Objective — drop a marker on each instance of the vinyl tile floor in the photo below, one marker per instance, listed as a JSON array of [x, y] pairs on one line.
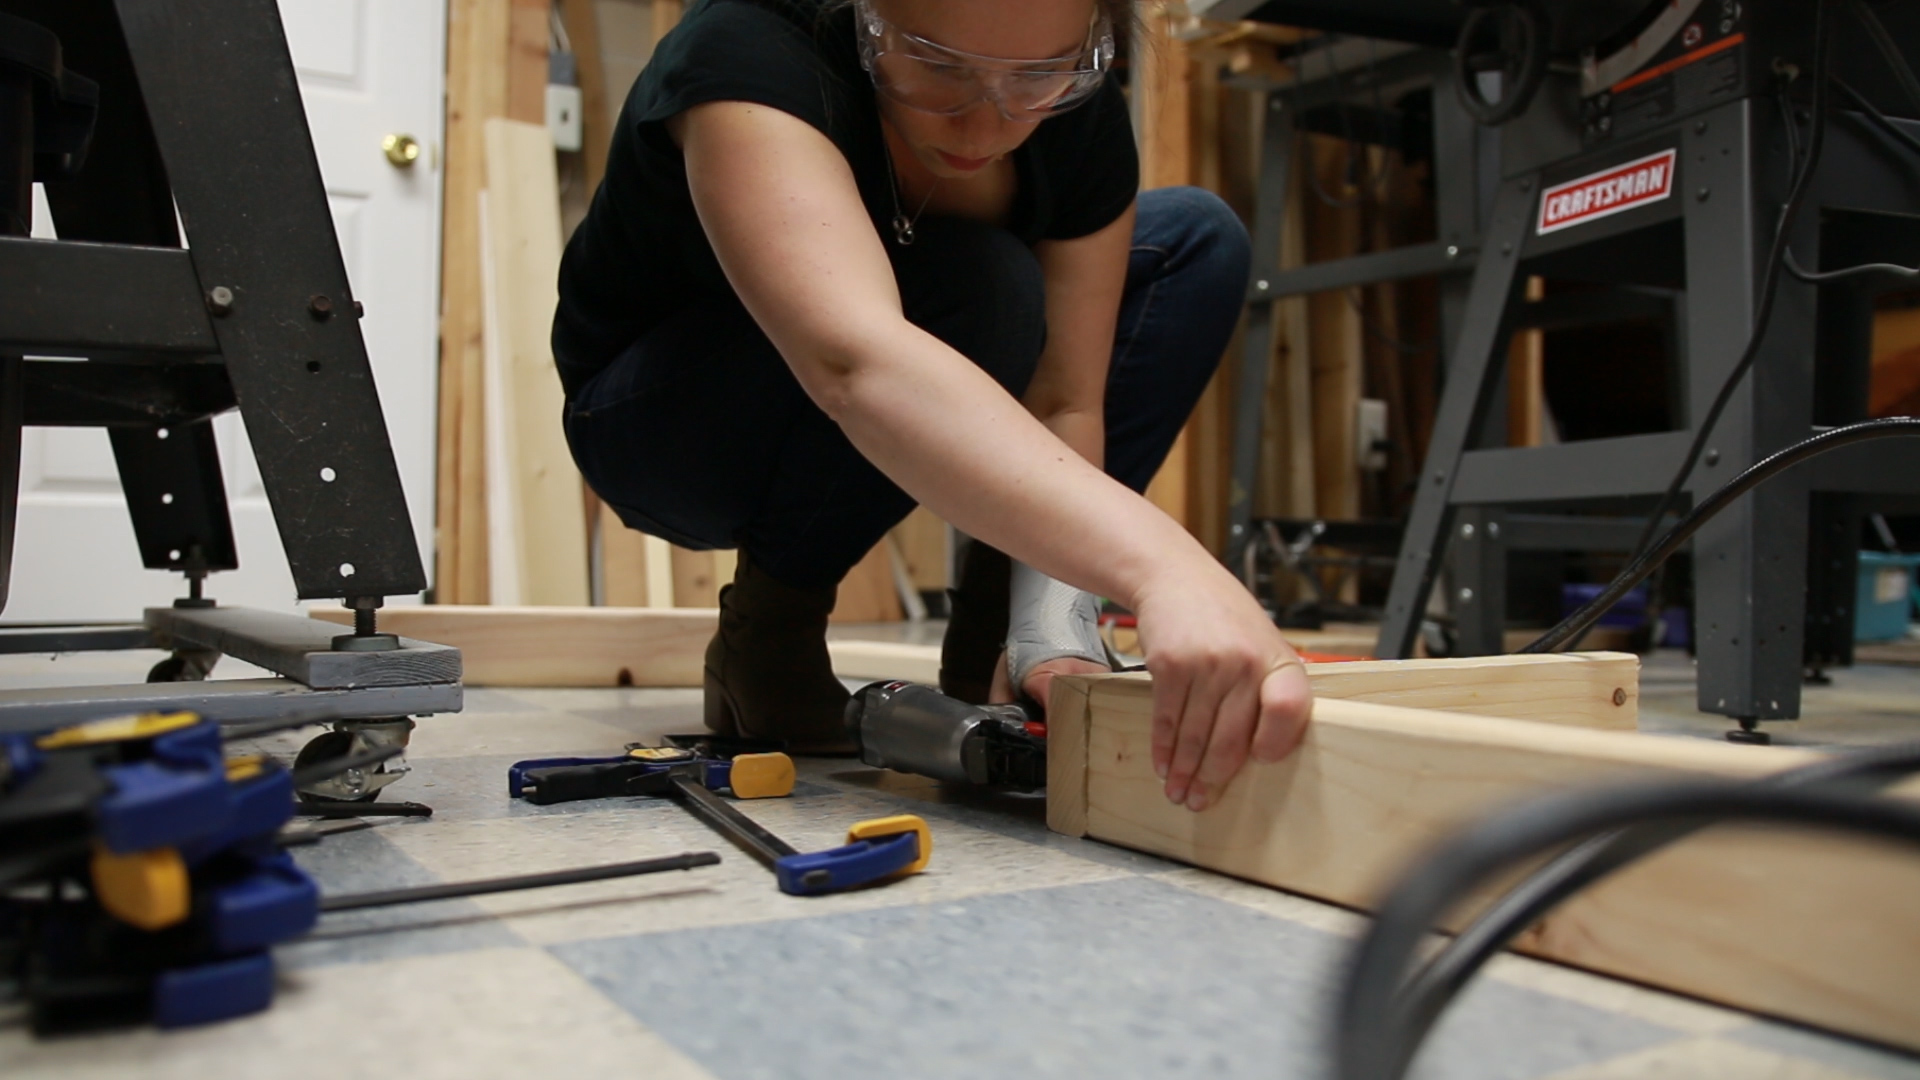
[[1017, 953]]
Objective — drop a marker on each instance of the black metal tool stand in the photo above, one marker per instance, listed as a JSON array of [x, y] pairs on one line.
[[198, 110], [1360, 78], [1773, 595], [1708, 239], [1353, 75]]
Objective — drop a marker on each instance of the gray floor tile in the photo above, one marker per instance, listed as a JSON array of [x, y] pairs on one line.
[[1127, 978], [1839, 1053], [492, 1013], [966, 863], [1015, 815], [368, 861]]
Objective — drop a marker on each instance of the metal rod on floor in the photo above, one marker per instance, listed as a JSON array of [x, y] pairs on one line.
[[390, 897], [731, 823]]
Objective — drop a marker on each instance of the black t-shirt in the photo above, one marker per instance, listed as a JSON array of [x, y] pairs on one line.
[[641, 252]]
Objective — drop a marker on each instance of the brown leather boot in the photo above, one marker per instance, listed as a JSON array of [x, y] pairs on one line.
[[977, 624], [768, 675]]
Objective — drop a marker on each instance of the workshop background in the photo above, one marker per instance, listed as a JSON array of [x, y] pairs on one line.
[[1353, 381], [460, 141]]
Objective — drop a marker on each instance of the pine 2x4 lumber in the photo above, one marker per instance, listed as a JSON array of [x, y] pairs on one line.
[[607, 646], [868, 592], [477, 33], [496, 66], [1162, 126], [539, 518], [559, 646], [1808, 926]]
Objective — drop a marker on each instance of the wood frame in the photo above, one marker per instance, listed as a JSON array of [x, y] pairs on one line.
[[1398, 754], [1743, 917]]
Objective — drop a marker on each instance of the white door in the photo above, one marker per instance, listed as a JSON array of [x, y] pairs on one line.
[[367, 69]]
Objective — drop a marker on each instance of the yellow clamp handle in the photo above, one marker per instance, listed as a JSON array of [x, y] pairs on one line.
[[116, 729], [147, 889], [761, 776], [877, 828]]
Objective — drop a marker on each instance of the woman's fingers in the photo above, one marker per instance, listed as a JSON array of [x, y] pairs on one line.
[[1227, 747], [1225, 688], [1169, 703], [1194, 731], [1286, 705]]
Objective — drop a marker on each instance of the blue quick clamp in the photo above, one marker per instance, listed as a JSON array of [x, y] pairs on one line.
[[875, 851], [717, 773]]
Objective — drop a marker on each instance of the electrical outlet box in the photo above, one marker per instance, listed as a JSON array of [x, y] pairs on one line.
[[1370, 434], [563, 116]]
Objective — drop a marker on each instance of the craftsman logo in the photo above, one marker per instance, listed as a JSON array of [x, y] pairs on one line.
[[1623, 187]]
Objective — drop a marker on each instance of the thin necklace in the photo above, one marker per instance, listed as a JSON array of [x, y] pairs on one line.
[[902, 224]]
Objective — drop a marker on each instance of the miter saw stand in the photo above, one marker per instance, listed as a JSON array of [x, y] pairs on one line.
[[141, 120]]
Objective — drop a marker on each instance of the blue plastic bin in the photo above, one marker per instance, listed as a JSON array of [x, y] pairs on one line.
[[1627, 613], [1884, 604]]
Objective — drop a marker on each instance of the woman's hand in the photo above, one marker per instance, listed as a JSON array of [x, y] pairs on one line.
[[1039, 684], [1224, 683]]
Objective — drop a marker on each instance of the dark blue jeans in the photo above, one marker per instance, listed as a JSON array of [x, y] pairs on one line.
[[700, 434]]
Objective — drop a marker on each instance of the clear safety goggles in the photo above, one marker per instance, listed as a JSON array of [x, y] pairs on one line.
[[930, 77]]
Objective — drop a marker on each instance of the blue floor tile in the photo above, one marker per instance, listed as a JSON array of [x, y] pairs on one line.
[[1128, 978]]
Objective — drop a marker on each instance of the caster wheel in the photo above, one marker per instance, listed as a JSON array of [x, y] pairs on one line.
[[328, 747], [186, 665], [1441, 640]]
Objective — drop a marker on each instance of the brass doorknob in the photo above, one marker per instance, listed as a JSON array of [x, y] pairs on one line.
[[401, 150]]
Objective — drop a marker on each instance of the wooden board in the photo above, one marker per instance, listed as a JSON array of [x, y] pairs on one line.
[[623, 562], [698, 576], [1334, 330], [1594, 690], [925, 547], [1162, 126], [496, 66], [547, 559], [608, 646], [886, 660], [528, 39], [560, 646], [582, 23], [1809, 927], [1526, 379], [477, 33], [868, 592], [1287, 434], [666, 15], [659, 568]]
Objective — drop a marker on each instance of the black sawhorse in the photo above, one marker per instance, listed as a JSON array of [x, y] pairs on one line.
[[199, 112]]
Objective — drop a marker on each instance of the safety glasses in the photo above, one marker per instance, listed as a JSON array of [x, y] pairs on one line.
[[930, 77]]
